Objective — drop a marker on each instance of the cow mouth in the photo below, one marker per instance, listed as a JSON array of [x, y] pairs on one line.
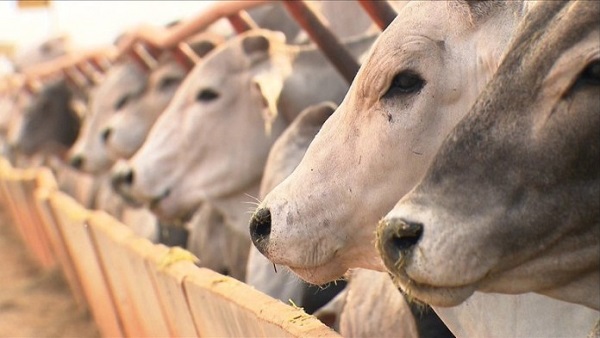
[[158, 206], [329, 271], [154, 202], [435, 295]]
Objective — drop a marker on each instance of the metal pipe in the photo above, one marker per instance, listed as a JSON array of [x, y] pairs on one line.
[[337, 54], [381, 12], [241, 22], [185, 56]]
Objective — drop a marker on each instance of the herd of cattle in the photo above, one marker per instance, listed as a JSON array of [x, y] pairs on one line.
[[459, 168]]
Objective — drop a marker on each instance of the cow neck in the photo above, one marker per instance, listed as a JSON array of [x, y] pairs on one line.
[[237, 207]]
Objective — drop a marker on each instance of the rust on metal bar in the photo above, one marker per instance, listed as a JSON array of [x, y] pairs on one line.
[[208, 17], [185, 56], [73, 75], [241, 22], [143, 56], [381, 12], [92, 73], [87, 71], [56, 66], [337, 54], [174, 35], [100, 63]]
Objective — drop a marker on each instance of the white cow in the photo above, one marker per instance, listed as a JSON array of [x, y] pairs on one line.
[[283, 157], [422, 75], [358, 311]]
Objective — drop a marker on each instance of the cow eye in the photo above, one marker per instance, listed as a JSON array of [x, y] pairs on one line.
[[168, 82], [207, 95], [591, 74], [122, 102], [405, 83]]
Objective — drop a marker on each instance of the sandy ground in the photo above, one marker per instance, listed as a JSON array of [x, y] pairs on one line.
[[33, 302]]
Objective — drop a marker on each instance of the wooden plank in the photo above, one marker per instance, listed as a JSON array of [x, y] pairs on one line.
[[6, 171], [108, 236], [149, 308], [168, 279], [25, 221], [29, 184], [59, 246], [4, 167], [72, 219], [223, 306]]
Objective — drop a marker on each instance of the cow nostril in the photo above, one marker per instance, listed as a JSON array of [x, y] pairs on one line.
[[77, 161], [124, 177], [398, 236], [407, 236], [105, 134], [260, 228], [128, 177]]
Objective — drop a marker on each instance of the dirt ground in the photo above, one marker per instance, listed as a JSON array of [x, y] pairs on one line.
[[33, 302]]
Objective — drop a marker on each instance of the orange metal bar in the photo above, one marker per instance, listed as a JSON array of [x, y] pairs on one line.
[[241, 22], [337, 54], [381, 12], [185, 56], [174, 35]]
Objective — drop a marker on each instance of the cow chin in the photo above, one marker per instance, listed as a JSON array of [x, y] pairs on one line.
[[319, 275], [444, 296], [171, 210]]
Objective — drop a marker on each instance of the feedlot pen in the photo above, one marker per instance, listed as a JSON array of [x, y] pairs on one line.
[[130, 286]]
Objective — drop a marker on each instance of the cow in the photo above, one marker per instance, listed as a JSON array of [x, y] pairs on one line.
[[283, 157], [357, 311], [510, 202], [15, 101], [48, 123]]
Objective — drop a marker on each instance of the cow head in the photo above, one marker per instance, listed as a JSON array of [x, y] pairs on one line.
[[125, 106], [48, 124], [199, 147], [423, 73], [122, 82], [135, 112], [510, 203]]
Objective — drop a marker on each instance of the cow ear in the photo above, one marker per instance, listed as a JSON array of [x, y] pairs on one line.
[[201, 48], [205, 43], [269, 85], [256, 47]]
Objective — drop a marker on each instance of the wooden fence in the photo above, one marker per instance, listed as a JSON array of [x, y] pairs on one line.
[[131, 286]]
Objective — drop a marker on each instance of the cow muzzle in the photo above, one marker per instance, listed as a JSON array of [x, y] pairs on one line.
[[260, 229], [121, 182], [396, 238], [77, 161], [122, 178]]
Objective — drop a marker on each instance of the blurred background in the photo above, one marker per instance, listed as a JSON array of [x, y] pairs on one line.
[[88, 23]]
